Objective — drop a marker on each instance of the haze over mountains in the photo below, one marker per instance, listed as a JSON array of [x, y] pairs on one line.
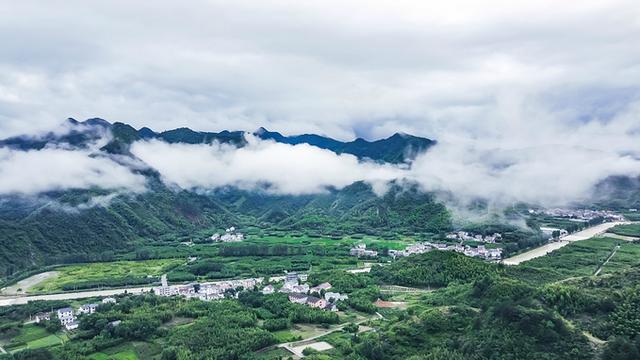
[[303, 164]]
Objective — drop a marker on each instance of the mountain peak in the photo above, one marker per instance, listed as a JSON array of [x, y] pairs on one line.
[[97, 122]]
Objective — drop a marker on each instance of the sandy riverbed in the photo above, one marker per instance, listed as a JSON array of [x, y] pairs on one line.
[[22, 286]]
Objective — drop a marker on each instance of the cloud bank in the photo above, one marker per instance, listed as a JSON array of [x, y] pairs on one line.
[[529, 100], [38, 171], [340, 68], [261, 165]]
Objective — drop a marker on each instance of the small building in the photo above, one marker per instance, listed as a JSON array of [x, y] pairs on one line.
[[42, 316], [71, 325], [335, 296], [109, 300], [269, 289], [324, 286], [361, 250], [554, 233], [298, 298], [64, 313], [67, 320], [315, 302], [87, 309]]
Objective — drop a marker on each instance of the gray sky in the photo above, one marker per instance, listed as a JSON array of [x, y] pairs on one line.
[[529, 100], [340, 68]]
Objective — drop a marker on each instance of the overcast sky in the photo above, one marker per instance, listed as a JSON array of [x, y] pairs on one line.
[[518, 94], [341, 68]]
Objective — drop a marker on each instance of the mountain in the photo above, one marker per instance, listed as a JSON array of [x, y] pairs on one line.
[[34, 232], [398, 148], [58, 227], [395, 149]]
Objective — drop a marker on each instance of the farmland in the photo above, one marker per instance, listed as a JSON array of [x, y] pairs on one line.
[[117, 273]]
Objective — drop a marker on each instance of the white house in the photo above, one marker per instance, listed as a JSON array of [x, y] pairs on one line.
[[335, 296], [269, 289], [109, 300], [71, 325], [67, 320], [42, 317], [64, 312], [87, 309], [324, 286]]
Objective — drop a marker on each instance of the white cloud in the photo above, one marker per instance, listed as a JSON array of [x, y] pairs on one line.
[[334, 67], [37, 171], [548, 88], [264, 165]]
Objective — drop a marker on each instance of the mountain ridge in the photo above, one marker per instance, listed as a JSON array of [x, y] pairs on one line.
[[397, 148]]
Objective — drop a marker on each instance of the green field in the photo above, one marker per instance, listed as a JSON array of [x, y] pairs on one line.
[[582, 258], [274, 354], [128, 351], [96, 272], [34, 337], [627, 230]]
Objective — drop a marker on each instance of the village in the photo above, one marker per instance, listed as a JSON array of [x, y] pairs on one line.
[[294, 284], [68, 317], [581, 215], [230, 235], [360, 250], [299, 292]]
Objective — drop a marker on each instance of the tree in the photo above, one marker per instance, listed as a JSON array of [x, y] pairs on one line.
[[620, 348]]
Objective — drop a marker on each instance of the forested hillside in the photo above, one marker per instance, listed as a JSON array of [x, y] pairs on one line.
[[55, 231]]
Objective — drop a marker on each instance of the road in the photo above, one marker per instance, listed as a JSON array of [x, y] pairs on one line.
[[17, 299], [21, 300], [585, 234]]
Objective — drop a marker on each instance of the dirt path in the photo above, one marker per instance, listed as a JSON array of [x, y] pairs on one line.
[[22, 286], [615, 250], [585, 234]]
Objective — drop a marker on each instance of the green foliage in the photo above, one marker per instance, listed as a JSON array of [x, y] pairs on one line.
[[620, 348], [435, 268]]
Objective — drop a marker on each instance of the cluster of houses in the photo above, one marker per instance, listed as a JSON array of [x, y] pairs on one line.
[[207, 291], [360, 250], [301, 293], [581, 215], [419, 248], [68, 317], [230, 235], [466, 236]]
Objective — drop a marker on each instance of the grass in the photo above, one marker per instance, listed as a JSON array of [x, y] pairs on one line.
[[273, 354], [110, 270], [626, 230], [283, 336], [34, 337], [30, 333], [46, 341], [128, 351], [123, 355], [582, 258]]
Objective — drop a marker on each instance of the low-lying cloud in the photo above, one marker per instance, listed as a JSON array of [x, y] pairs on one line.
[[261, 165], [51, 169], [525, 153]]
